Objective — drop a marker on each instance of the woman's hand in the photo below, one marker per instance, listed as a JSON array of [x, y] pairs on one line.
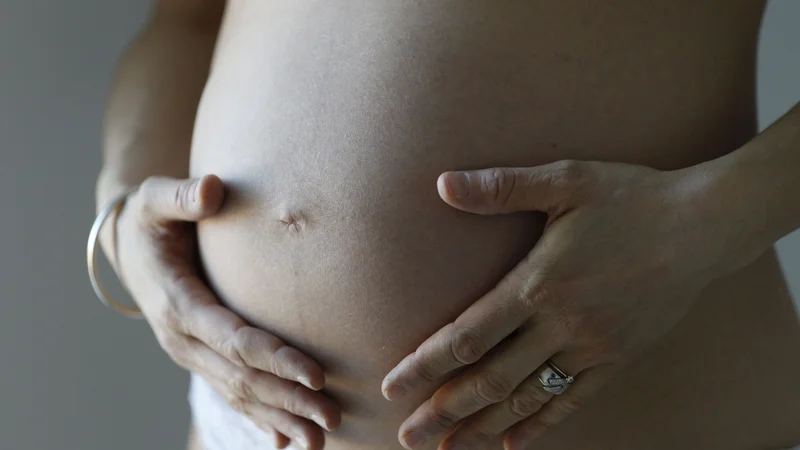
[[269, 382], [624, 254]]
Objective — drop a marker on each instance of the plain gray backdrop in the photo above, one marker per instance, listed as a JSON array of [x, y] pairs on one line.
[[73, 374]]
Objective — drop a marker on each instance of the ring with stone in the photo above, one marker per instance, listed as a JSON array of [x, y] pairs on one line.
[[553, 379]]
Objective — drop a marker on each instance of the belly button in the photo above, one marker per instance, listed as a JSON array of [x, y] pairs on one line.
[[292, 221]]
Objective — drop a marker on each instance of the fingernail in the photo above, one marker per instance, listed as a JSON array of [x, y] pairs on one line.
[[197, 185], [417, 438], [320, 421], [305, 381], [394, 392], [457, 184], [302, 441]]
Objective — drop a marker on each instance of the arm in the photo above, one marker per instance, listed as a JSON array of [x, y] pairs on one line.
[[150, 116], [624, 255], [758, 185], [149, 126]]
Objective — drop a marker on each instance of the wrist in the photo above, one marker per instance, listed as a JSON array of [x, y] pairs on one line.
[[109, 186], [730, 214]]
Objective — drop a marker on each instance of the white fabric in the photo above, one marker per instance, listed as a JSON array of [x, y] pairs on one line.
[[219, 426]]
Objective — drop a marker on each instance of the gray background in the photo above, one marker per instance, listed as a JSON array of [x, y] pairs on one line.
[[73, 375]]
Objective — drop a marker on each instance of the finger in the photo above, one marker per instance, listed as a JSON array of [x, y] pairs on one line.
[[202, 316], [245, 386], [501, 190], [164, 199], [527, 399], [278, 439], [300, 431], [524, 434], [477, 431], [488, 383], [464, 341]]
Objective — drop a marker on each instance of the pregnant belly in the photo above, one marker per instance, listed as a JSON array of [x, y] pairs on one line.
[[349, 255], [330, 128]]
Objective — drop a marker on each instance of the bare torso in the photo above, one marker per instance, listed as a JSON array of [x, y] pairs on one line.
[[330, 122]]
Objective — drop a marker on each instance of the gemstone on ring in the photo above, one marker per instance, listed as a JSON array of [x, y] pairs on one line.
[[554, 380]]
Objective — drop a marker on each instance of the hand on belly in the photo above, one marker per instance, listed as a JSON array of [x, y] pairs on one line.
[[354, 276], [622, 259]]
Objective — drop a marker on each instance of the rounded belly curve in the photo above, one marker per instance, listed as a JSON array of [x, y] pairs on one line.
[[330, 130], [355, 277]]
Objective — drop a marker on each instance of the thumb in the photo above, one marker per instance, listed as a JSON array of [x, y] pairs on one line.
[[166, 199], [503, 190]]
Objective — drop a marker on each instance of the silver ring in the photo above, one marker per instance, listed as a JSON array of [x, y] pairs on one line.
[[553, 379]]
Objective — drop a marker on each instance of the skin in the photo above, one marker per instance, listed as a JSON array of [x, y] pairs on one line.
[[148, 131], [358, 261], [588, 314]]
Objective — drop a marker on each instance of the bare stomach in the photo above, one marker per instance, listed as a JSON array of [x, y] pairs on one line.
[[330, 126]]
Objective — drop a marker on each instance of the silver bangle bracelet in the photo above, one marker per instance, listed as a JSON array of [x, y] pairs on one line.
[[112, 209]]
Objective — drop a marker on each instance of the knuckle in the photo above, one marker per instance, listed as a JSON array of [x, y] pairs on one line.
[[421, 369], [137, 207], [524, 405], [440, 415], [175, 346], [235, 347], [498, 183], [144, 198], [170, 317], [492, 387], [149, 186], [185, 196], [529, 293], [566, 328], [239, 387], [244, 340], [182, 359], [568, 405], [573, 174], [238, 404], [148, 189], [293, 402], [273, 361], [541, 296], [467, 347], [568, 170], [283, 360]]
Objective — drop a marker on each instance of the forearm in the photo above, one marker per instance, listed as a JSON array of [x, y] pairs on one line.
[[150, 115], [758, 186]]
